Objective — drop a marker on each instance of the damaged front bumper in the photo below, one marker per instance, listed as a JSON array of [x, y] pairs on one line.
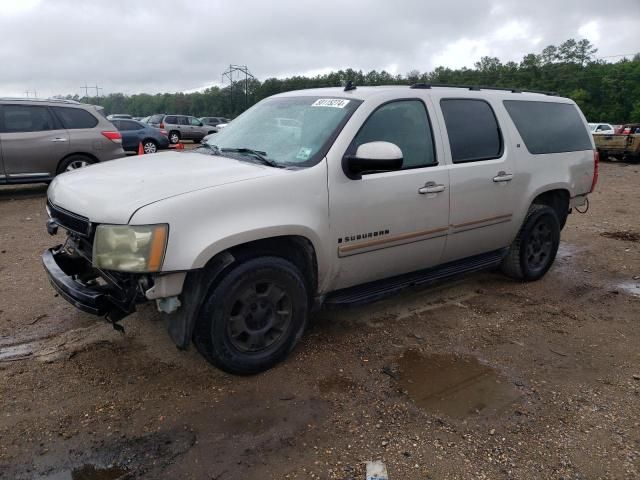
[[88, 289]]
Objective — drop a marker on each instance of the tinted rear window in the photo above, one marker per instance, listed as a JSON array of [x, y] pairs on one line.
[[547, 127], [155, 118], [73, 118], [473, 130], [171, 119]]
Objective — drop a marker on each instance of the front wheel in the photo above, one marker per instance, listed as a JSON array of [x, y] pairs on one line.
[[253, 317], [533, 251]]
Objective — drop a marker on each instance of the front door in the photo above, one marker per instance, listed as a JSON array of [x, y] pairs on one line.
[[390, 223], [482, 170], [32, 140]]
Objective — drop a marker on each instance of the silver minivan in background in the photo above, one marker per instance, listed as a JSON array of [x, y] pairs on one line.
[[40, 139]]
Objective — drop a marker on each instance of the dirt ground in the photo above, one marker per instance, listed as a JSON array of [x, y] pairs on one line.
[[478, 378]]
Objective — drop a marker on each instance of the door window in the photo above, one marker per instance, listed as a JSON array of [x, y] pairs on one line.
[[474, 133], [183, 121], [404, 123], [75, 118], [195, 122], [26, 118], [128, 125]]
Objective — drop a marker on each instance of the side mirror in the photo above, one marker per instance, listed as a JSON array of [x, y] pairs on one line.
[[372, 157]]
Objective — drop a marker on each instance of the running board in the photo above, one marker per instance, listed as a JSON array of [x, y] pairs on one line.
[[373, 291]]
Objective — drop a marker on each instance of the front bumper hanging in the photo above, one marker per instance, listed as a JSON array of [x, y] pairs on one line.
[[77, 282]]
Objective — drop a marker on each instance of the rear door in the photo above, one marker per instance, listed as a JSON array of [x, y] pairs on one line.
[[482, 177], [185, 128], [80, 124], [130, 132], [33, 142]]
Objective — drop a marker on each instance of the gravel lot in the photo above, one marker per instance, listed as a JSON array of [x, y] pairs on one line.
[[478, 378]]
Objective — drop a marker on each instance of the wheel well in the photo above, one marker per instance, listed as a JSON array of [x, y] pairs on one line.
[[558, 200], [149, 139], [93, 158], [298, 250]]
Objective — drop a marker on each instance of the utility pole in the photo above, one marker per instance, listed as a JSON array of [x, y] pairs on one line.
[[98, 90], [86, 90], [26, 92], [239, 70]]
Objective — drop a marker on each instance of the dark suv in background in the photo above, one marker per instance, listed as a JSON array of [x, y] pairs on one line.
[[40, 139], [181, 127]]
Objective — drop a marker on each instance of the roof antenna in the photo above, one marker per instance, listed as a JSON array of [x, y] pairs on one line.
[[349, 86]]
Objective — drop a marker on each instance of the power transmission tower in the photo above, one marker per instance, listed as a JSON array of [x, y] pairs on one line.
[[27, 93], [86, 90], [98, 90], [238, 71]]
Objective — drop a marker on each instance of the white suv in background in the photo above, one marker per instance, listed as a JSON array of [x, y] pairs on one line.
[[602, 128], [326, 196]]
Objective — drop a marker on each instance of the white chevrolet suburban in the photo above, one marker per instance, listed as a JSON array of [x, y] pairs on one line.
[[365, 191]]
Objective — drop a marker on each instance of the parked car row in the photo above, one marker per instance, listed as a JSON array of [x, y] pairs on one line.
[[135, 133], [179, 127]]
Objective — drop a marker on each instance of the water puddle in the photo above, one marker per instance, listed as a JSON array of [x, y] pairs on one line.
[[456, 386], [90, 472], [16, 352], [632, 287]]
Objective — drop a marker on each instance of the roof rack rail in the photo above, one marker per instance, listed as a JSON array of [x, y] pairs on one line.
[[477, 88], [48, 100]]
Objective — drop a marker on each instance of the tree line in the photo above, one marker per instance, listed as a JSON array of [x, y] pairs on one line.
[[605, 91]]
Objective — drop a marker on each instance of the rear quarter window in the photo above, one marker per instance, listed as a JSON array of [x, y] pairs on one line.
[[75, 118], [549, 127]]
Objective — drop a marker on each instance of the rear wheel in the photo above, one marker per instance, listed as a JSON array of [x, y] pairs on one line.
[[253, 317], [149, 146], [533, 251], [174, 137], [73, 162]]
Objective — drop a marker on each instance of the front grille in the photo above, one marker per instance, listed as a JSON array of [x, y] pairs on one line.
[[70, 221]]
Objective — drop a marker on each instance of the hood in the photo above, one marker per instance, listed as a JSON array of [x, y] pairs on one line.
[[111, 192]]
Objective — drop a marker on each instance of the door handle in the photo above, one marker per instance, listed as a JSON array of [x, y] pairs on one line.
[[58, 140], [503, 177], [431, 187]]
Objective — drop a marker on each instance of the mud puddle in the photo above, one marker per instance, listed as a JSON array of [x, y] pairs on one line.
[[632, 288], [456, 386], [90, 472]]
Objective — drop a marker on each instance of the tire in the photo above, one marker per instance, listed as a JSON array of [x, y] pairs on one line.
[[174, 137], [73, 162], [149, 146], [534, 249], [237, 327]]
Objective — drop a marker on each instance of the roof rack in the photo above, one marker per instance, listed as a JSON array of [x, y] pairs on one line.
[[47, 100], [477, 88]]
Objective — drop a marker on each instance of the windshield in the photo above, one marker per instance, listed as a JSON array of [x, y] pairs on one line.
[[290, 131]]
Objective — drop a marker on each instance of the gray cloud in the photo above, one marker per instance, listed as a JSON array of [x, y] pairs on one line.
[[163, 45]]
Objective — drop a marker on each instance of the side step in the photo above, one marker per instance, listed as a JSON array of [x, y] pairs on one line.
[[372, 291]]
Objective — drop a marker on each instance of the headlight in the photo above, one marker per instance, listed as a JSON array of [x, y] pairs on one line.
[[130, 248]]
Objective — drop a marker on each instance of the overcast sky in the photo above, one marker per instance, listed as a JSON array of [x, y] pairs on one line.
[[152, 46]]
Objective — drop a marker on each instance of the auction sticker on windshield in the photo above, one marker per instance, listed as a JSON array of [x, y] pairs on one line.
[[330, 102]]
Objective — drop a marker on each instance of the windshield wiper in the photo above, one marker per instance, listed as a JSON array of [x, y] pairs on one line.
[[214, 148], [257, 154]]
